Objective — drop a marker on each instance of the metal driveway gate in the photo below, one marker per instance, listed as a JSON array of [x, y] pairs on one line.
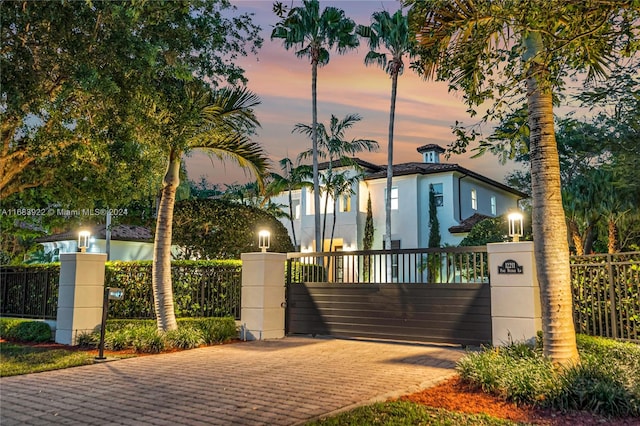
[[428, 295]]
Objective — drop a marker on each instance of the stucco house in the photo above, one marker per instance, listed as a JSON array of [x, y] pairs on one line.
[[128, 242], [463, 198]]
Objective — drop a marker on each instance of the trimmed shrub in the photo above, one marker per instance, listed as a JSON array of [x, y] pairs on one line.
[[185, 338], [25, 330]]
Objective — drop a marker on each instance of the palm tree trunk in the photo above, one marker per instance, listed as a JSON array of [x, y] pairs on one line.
[[548, 219], [612, 243], [387, 205], [161, 272], [576, 237], [314, 142], [293, 230], [392, 115]]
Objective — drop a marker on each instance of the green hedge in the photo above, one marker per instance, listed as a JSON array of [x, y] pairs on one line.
[[209, 288], [25, 330]]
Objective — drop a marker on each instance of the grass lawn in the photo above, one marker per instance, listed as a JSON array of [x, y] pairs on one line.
[[18, 359], [407, 413]]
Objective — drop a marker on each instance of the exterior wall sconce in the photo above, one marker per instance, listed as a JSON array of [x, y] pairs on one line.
[[83, 240], [515, 226], [264, 240]]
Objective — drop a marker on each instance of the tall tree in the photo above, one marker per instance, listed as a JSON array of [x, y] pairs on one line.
[[393, 33], [70, 70], [434, 223], [534, 45], [313, 34], [192, 117]]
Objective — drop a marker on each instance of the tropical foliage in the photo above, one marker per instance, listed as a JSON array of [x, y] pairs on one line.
[[314, 34], [219, 229], [493, 51], [392, 33]]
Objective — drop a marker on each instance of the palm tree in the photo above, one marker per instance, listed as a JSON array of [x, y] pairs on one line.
[[293, 178], [393, 33], [532, 44], [333, 146], [217, 122], [341, 185], [313, 34]]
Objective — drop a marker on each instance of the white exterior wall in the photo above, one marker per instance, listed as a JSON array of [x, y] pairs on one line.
[[504, 201], [404, 221], [410, 222], [446, 212], [120, 250]]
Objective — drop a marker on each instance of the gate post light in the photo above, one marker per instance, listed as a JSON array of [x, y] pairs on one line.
[[515, 226], [83, 240], [264, 240]]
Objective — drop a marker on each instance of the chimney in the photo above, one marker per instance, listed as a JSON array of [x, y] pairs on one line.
[[431, 153]]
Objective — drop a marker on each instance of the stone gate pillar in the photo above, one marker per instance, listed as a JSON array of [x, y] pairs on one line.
[[263, 295], [515, 293], [80, 295]]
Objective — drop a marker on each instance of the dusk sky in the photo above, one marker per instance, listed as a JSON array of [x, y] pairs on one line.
[[425, 111]]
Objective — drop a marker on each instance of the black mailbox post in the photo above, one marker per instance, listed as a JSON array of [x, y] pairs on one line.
[[110, 293]]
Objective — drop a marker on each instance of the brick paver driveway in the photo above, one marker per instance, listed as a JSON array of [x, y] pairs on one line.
[[275, 382]]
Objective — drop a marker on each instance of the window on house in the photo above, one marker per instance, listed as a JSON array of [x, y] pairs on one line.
[[439, 196], [345, 203], [308, 202], [295, 207], [474, 199], [494, 206], [394, 197]]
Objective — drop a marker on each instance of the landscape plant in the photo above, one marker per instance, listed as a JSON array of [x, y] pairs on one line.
[[191, 116], [606, 381], [392, 33], [314, 34], [492, 51]]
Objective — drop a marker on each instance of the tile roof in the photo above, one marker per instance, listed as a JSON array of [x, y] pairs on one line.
[[468, 223], [430, 147], [420, 168]]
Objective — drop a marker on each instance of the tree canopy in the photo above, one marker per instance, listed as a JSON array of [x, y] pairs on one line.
[[219, 229], [70, 71]]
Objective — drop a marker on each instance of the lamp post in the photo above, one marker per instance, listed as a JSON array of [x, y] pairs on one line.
[[515, 226], [83, 240], [264, 240]]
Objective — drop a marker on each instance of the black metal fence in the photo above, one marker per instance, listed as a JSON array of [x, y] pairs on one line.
[[606, 295], [200, 290], [29, 292], [433, 265]]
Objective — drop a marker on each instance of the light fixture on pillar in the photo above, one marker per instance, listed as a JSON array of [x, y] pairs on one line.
[[264, 240], [83, 240], [515, 226]]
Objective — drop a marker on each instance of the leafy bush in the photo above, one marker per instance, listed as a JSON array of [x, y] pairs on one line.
[[148, 340], [214, 330], [25, 330], [218, 280], [185, 338], [143, 336], [605, 382], [7, 326], [119, 339]]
